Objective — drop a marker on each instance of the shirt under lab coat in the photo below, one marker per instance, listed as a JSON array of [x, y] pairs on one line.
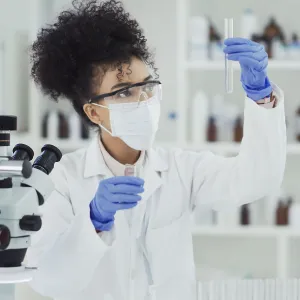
[[155, 253]]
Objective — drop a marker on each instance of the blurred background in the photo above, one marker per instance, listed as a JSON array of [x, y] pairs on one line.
[[257, 241]]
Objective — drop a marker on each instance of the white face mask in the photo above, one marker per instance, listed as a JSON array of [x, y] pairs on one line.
[[136, 126]]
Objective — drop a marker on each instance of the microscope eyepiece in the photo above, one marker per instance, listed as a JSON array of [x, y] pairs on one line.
[[22, 152], [45, 162]]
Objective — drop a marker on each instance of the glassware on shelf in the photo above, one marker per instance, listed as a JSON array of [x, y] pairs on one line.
[[74, 126], [228, 218], [212, 130], [293, 48], [271, 32], [85, 132], [245, 215], [248, 24], [198, 38], [63, 126], [52, 131], [215, 47], [200, 118], [60, 125], [281, 213], [279, 49], [203, 216], [294, 214], [238, 129], [297, 125]]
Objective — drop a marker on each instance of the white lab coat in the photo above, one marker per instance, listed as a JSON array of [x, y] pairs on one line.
[[156, 253]]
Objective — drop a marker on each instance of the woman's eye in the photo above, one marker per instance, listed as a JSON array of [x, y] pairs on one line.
[[148, 88], [124, 94]]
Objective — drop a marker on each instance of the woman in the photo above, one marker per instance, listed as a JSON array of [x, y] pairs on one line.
[[108, 235]]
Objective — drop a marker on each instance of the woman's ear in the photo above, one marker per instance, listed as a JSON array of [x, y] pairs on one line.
[[93, 112]]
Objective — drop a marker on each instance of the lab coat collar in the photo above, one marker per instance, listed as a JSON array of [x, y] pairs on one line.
[[95, 164]]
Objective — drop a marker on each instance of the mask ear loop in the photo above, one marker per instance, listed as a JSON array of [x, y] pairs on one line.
[[100, 125], [105, 129]]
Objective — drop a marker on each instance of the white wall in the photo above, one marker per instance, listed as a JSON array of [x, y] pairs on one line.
[[14, 15]]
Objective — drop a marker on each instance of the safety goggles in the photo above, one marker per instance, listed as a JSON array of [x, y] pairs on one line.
[[130, 97]]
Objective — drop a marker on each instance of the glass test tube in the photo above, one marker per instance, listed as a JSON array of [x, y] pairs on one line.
[[130, 170], [228, 33]]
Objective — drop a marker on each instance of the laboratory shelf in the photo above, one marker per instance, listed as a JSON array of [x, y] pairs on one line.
[[219, 65], [222, 147], [216, 147], [293, 148], [245, 231], [65, 144], [212, 146]]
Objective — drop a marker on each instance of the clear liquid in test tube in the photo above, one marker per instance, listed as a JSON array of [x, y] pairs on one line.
[[228, 33]]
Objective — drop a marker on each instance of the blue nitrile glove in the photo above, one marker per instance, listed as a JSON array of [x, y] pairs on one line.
[[116, 193], [253, 60]]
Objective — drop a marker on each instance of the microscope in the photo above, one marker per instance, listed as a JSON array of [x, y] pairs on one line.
[[23, 188]]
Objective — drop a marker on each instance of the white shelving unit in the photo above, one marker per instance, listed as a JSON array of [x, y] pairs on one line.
[[68, 145], [272, 246], [286, 65], [221, 147], [247, 231]]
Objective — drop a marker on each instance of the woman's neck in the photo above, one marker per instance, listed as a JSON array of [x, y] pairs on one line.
[[119, 150]]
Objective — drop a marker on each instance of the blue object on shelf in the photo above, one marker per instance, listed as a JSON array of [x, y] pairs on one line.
[[172, 115]]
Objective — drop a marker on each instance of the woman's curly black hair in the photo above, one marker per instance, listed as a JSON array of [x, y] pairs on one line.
[[70, 56]]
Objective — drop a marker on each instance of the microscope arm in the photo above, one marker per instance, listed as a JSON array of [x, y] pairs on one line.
[[41, 182]]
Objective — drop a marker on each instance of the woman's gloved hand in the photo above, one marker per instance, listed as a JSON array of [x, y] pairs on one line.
[[113, 194], [253, 60]]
